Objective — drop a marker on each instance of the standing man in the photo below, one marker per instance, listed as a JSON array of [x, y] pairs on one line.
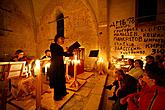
[[57, 70]]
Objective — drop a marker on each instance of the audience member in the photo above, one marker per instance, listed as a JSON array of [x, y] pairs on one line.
[[131, 64], [137, 71], [127, 85], [159, 61], [152, 95], [150, 61]]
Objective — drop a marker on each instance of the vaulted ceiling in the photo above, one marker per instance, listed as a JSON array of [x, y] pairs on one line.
[[38, 7]]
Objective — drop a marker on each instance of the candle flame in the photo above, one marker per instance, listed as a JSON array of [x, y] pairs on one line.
[[100, 60]]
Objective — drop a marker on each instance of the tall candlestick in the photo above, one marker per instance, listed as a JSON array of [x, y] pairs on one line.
[[75, 69], [37, 67], [75, 83], [46, 69], [38, 85]]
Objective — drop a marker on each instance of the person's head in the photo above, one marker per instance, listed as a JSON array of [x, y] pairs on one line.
[[149, 59], [130, 61], [120, 74], [138, 63], [19, 54], [163, 63], [154, 76], [159, 58], [47, 53], [59, 39]]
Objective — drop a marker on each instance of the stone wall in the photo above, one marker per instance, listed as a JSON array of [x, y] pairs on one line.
[[17, 30], [134, 40]]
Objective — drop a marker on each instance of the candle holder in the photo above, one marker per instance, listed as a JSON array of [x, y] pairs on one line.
[[38, 84], [67, 76], [75, 83]]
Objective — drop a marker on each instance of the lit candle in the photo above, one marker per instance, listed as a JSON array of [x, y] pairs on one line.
[[75, 57], [75, 67], [67, 61], [45, 69], [38, 84], [37, 67], [67, 67], [47, 65]]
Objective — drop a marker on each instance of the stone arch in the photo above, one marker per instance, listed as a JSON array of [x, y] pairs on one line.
[[80, 23]]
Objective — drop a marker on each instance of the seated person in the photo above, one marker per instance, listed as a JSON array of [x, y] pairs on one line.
[[21, 86], [19, 56], [46, 62], [135, 72], [47, 54], [158, 61], [127, 85], [131, 64], [150, 61], [152, 95]]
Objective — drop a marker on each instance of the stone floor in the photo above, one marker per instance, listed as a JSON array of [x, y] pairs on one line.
[[91, 96]]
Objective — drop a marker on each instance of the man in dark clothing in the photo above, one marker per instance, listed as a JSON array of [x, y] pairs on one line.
[[150, 61], [57, 70]]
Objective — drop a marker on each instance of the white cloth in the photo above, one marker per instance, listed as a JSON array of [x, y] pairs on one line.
[[136, 72]]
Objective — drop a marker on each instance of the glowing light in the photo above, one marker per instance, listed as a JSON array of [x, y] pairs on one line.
[[37, 67], [47, 65], [100, 60], [75, 57]]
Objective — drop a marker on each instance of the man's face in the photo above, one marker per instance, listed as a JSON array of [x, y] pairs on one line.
[[149, 61], [60, 40], [20, 55], [136, 64], [48, 54]]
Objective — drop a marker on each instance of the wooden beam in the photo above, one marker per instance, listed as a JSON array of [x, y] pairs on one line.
[[57, 20], [5, 10], [6, 30]]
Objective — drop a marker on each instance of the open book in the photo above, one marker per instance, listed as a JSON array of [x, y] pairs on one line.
[[75, 45]]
